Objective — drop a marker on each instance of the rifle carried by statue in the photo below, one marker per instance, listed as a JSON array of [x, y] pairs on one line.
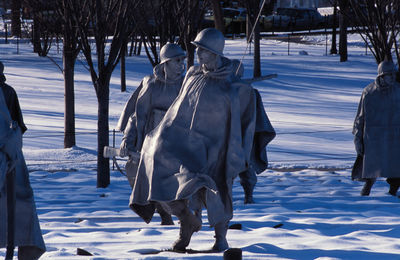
[[134, 157]]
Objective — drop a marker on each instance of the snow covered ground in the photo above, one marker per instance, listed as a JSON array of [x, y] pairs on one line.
[[306, 207]]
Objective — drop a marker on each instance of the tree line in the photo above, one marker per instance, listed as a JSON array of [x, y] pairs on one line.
[[105, 31]]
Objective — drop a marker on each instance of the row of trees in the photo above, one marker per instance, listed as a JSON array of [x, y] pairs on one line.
[[102, 29], [378, 23]]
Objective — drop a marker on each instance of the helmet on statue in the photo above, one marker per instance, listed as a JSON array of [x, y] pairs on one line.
[[210, 39], [386, 67], [170, 51]]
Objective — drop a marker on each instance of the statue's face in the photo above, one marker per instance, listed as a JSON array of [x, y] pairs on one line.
[[389, 79], [206, 57], [174, 67]]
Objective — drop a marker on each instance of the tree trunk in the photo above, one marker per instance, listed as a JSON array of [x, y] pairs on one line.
[[103, 95], [103, 164], [37, 48], [110, 16], [343, 39], [248, 28], [218, 15], [69, 116], [344, 7], [16, 18], [190, 50], [334, 25], [123, 74], [257, 62]]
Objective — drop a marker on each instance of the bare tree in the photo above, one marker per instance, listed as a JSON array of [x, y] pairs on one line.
[[378, 22], [254, 9], [159, 22], [334, 26], [191, 13], [343, 23], [16, 18], [109, 23], [218, 15], [46, 25], [150, 22], [71, 49], [123, 67]]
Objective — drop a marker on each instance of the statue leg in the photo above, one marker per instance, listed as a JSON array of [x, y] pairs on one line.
[[220, 237], [367, 186], [188, 221], [394, 185], [29, 252], [248, 180], [166, 218]]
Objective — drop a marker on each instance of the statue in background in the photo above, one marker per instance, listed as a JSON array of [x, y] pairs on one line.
[[377, 131], [147, 106]]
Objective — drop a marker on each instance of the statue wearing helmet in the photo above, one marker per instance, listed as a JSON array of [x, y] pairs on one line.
[[19, 223], [203, 142], [377, 131], [147, 106]]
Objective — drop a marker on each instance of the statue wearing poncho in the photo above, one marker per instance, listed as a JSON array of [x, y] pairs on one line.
[[146, 109], [203, 142], [27, 233]]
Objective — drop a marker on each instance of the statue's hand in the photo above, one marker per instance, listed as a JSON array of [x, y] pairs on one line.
[[123, 150]]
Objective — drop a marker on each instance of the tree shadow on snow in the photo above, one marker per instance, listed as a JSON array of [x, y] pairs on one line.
[[299, 254]]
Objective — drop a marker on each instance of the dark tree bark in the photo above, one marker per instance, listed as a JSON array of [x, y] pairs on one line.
[[16, 18], [334, 26], [46, 24], [101, 19], [37, 48], [69, 100], [257, 56], [189, 23], [253, 8], [218, 15], [122, 68], [71, 48], [378, 22], [103, 164], [343, 23], [156, 23], [159, 22]]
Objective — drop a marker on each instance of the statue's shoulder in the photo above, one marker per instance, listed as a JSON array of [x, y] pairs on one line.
[[149, 81], [241, 87], [193, 70], [5, 87], [370, 89]]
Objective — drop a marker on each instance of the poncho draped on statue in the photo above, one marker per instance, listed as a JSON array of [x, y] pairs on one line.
[[147, 106], [27, 229], [264, 134], [144, 111], [13, 105], [377, 132], [204, 141]]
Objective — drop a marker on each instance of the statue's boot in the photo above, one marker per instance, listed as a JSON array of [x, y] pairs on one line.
[[393, 189], [248, 195], [394, 185], [367, 186], [166, 218], [221, 243], [189, 224]]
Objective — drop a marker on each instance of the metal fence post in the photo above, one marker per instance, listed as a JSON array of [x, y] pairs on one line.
[[114, 147], [6, 34]]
